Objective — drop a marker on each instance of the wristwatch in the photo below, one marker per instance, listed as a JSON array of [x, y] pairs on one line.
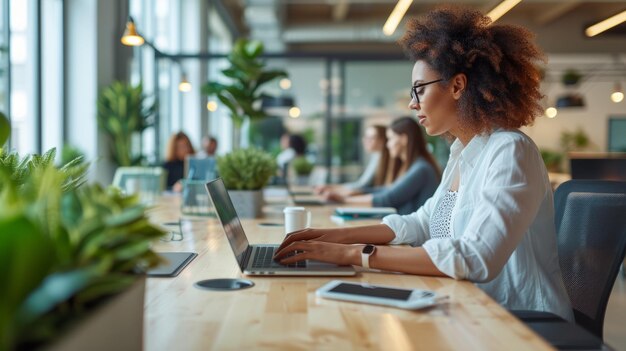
[[367, 251]]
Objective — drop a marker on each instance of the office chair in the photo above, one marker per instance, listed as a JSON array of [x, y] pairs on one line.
[[590, 218], [146, 181]]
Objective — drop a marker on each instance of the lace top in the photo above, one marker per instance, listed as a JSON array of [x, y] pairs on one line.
[[440, 221]]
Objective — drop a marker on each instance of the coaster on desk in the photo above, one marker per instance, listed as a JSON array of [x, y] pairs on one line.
[[173, 265], [224, 284]]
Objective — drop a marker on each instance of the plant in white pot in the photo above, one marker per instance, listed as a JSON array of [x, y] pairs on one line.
[[245, 172], [68, 251]]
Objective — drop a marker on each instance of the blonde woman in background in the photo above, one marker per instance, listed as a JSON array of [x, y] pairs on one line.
[[374, 141]]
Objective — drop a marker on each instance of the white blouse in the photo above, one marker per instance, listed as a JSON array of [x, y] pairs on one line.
[[502, 225]]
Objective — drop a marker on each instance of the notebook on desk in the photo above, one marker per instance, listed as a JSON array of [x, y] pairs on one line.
[[257, 259], [173, 263]]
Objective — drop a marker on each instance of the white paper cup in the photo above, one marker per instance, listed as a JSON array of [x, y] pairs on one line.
[[296, 218]]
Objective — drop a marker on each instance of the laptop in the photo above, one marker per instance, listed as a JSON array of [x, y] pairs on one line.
[[304, 202], [257, 259]]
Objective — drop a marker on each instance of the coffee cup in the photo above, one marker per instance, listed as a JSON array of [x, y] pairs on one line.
[[296, 218]]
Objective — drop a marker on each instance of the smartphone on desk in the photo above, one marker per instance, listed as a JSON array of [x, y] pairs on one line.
[[411, 299]]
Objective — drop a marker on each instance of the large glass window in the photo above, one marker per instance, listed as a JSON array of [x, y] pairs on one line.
[[4, 58], [23, 75], [52, 74]]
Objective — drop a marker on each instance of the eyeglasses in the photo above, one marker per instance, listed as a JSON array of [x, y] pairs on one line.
[[415, 94]]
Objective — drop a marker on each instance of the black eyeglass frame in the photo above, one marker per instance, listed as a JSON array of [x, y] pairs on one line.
[[416, 86]]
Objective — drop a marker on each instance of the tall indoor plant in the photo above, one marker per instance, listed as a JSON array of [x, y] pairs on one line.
[[123, 114], [66, 248], [247, 74], [245, 172]]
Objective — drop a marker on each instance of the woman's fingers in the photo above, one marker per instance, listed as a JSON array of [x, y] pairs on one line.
[[296, 246], [305, 234]]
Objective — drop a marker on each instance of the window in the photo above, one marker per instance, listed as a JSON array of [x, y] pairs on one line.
[[4, 57], [23, 76], [52, 75]]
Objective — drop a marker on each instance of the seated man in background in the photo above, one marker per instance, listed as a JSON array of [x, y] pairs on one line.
[[209, 147]]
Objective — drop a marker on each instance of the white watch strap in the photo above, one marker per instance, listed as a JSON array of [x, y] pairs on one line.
[[365, 260]]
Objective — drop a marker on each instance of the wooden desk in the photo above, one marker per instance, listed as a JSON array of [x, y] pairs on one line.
[[283, 312]]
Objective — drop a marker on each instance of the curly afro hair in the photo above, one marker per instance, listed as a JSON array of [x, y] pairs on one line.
[[502, 88]]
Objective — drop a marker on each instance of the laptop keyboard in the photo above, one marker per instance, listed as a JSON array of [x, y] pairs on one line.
[[263, 259]]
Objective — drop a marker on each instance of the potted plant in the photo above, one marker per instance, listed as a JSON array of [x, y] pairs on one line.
[[303, 169], [553, 160], [245, 172], [571, 77], [242, 95], [123, 115], [69, 252]]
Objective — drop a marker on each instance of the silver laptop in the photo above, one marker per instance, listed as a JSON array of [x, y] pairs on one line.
[[304, 202], [257, 259]]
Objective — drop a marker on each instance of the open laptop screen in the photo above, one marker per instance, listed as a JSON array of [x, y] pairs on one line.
[[228, 216]]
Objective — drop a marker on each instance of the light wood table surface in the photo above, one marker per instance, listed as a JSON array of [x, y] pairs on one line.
[[284, 313]]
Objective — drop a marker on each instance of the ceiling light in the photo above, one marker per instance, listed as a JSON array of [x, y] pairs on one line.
[[184, 85], [606, 24], [551, 112], [396, 16], [501, 9], [294, 112], [618, 94], [131, 37], [284, 83], [211, 106]]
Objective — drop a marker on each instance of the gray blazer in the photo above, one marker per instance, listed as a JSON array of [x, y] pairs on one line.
[[410, 191]]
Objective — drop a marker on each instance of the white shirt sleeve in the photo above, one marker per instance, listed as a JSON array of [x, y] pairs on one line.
[[412, 229], [509, 194]]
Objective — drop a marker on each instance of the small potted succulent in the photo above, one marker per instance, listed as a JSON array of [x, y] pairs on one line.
[[245, 172]]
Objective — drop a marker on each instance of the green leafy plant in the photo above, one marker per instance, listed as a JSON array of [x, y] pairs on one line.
[[242, 95], [571, 77], [302, 166], [64, 246], [123, 115], [69, 153], [246, 169], [553, 160], [5, 129], [575, 141], [16, 171]]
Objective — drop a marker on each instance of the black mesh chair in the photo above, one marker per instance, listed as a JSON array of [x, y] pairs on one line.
[[590, 218], [592, 243]]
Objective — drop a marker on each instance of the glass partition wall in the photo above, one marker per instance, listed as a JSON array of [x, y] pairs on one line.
[[334, 100]]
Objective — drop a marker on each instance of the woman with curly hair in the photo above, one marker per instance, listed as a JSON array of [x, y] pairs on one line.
[[491, 220]]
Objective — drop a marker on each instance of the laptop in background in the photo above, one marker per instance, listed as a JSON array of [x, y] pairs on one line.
[[304, 202], [257, 259], [200, 168]]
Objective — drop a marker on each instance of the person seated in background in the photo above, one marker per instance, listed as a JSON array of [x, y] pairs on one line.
[[412, 173], [209, 147], [374, 142], [293, 145], [178, 147]]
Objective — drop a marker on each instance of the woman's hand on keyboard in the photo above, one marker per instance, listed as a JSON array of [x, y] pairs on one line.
[[340, 254]]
